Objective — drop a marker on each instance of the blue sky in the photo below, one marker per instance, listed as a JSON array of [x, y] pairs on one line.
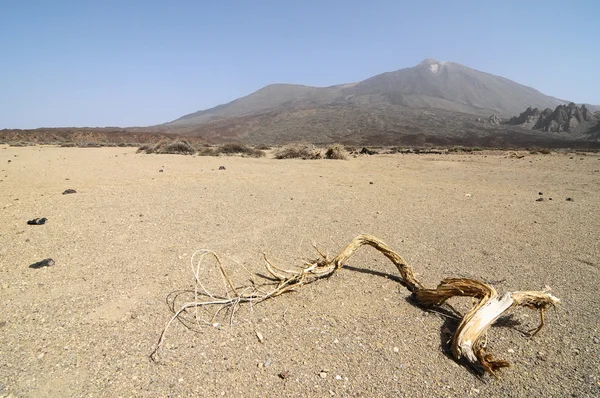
[[139, 63]]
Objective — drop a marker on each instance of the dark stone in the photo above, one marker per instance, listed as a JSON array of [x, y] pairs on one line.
[[367, 151], [47, 262], [37, 221], [539, 200], [540, 193], [68, 191], [161, 170], [221, 167], [570, 200]]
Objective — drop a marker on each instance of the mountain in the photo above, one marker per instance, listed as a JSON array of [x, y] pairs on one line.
[[434, 99], [430, 84]]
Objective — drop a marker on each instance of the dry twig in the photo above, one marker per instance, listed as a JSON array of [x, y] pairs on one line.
[[468, 341]]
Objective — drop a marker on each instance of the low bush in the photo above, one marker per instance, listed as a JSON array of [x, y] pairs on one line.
[[297, 151], [169, 147], [236, 148], [336, 152]]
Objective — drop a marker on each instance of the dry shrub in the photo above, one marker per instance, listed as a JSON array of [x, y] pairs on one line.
[[237, 148], [167, 146], [297, 151], [337, 152], [207, 151]]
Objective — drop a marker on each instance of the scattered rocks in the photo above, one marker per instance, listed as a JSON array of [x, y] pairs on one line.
[[47, 262], [221, 167], [37, 221], [69, 191]]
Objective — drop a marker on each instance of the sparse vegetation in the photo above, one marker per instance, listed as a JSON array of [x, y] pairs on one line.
[[298, 151], [207, 151], [237, 148], [166, 146], [336, 152]]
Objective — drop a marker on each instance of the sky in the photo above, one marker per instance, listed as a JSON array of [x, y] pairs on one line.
[[129, 63]]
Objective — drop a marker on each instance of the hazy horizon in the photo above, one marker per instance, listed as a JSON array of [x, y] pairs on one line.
[[141, 63]]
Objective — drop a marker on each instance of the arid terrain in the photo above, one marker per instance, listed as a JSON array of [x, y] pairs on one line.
[[122, 243]]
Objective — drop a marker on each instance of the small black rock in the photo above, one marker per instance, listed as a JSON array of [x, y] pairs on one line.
[[540, 193], [539, 200], [37, 221], [68, 191], [9, 160], [221, 167], [161, 170], [570, 200], [47, 262]]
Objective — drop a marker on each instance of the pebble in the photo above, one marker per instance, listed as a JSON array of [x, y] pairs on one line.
[[338, 377], [284, 375], [570, 200], [259, 336], [221, 167], [47, 262], [539, 200], [41, 356], [323, 375], [541, 356], [267, 363], [396, 349], [511, 351], [596, 340], [68, 191]]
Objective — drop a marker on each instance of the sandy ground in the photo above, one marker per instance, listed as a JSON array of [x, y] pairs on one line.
[[122, 247]]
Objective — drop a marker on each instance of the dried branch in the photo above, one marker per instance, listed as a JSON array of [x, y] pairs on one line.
[[468, 341]]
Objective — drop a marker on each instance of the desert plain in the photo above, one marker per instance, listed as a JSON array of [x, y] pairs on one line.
[[121, 245]]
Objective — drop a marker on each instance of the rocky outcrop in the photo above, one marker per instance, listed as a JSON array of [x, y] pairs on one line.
[[495, 120], [526, 119], [564, 119]]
